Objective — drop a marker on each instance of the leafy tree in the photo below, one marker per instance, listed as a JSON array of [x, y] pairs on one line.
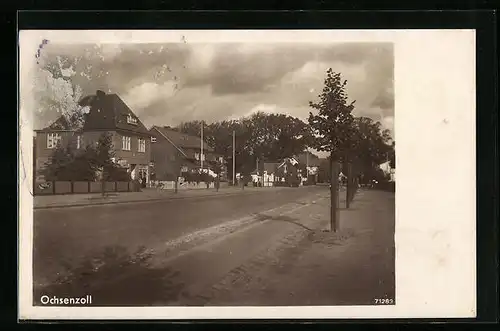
[[82, 166], [372, 144], [332, 126], [104, 154], [277, 136], [392, 155], [59, 166]]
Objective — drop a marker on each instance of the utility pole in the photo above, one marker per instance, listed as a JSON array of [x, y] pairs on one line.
[[234, 156], [334, 196], [201, 149]]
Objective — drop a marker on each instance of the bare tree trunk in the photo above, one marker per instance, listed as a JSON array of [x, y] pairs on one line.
[[103, 183], [334, 198], [217, 182]]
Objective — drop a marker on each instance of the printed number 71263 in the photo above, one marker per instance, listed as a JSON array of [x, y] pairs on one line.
[[384, 301]]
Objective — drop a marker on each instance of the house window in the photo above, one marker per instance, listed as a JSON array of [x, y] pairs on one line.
[[131, 119], [142, 145], [53, 139], [126, 143], [78, 142], [153, 139]]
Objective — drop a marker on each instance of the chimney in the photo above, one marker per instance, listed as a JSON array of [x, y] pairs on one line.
[[100, 93]]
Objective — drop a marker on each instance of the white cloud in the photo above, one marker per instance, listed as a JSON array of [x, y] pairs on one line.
[[201, 60], [143, 95], [265, 108], [388, 123]]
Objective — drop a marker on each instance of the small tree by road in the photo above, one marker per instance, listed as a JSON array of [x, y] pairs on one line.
[[332, 127]]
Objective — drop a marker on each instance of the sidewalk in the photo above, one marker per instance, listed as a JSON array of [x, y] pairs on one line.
[[313, 267], [147, 194]]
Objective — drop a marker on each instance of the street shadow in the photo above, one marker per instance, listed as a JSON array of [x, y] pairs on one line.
[[283, 218], [329, 238], [114, 277]]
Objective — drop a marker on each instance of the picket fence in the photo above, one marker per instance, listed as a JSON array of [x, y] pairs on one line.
[[80, 187]]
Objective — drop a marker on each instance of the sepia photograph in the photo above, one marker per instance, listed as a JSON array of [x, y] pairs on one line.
[[195, 173]]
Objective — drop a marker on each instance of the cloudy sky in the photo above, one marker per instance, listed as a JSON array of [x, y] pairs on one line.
[[166, 84]]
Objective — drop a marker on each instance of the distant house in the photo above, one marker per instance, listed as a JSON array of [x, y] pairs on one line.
[[275, 173], [174, 153], [265, 173], [388, 171], [108, 113], [288, 171], [311, 164]]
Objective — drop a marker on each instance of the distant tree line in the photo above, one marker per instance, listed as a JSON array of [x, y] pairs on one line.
[[358, 141], [331, 127], [262, 136], [273, 137]]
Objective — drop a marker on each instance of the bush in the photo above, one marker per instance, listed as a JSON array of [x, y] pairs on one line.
[[116, 174], [67, 164]]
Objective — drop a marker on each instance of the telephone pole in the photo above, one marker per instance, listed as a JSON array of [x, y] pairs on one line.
[[234, 156], [201, 149]]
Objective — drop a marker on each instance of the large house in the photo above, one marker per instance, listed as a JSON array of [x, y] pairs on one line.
[[174, 153], [107, 113]]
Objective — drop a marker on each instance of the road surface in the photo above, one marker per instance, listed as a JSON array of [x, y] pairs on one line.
[[168, 228]]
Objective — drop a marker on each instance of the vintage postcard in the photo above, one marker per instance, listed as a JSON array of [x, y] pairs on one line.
[[246, 174]]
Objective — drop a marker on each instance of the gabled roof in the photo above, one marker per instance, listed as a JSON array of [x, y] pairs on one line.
[[269, 167], [182, 140], [61, 124], [107, 112], [110, 112], [288, 161]]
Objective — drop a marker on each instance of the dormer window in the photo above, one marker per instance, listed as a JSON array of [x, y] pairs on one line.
[[131, 119]]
